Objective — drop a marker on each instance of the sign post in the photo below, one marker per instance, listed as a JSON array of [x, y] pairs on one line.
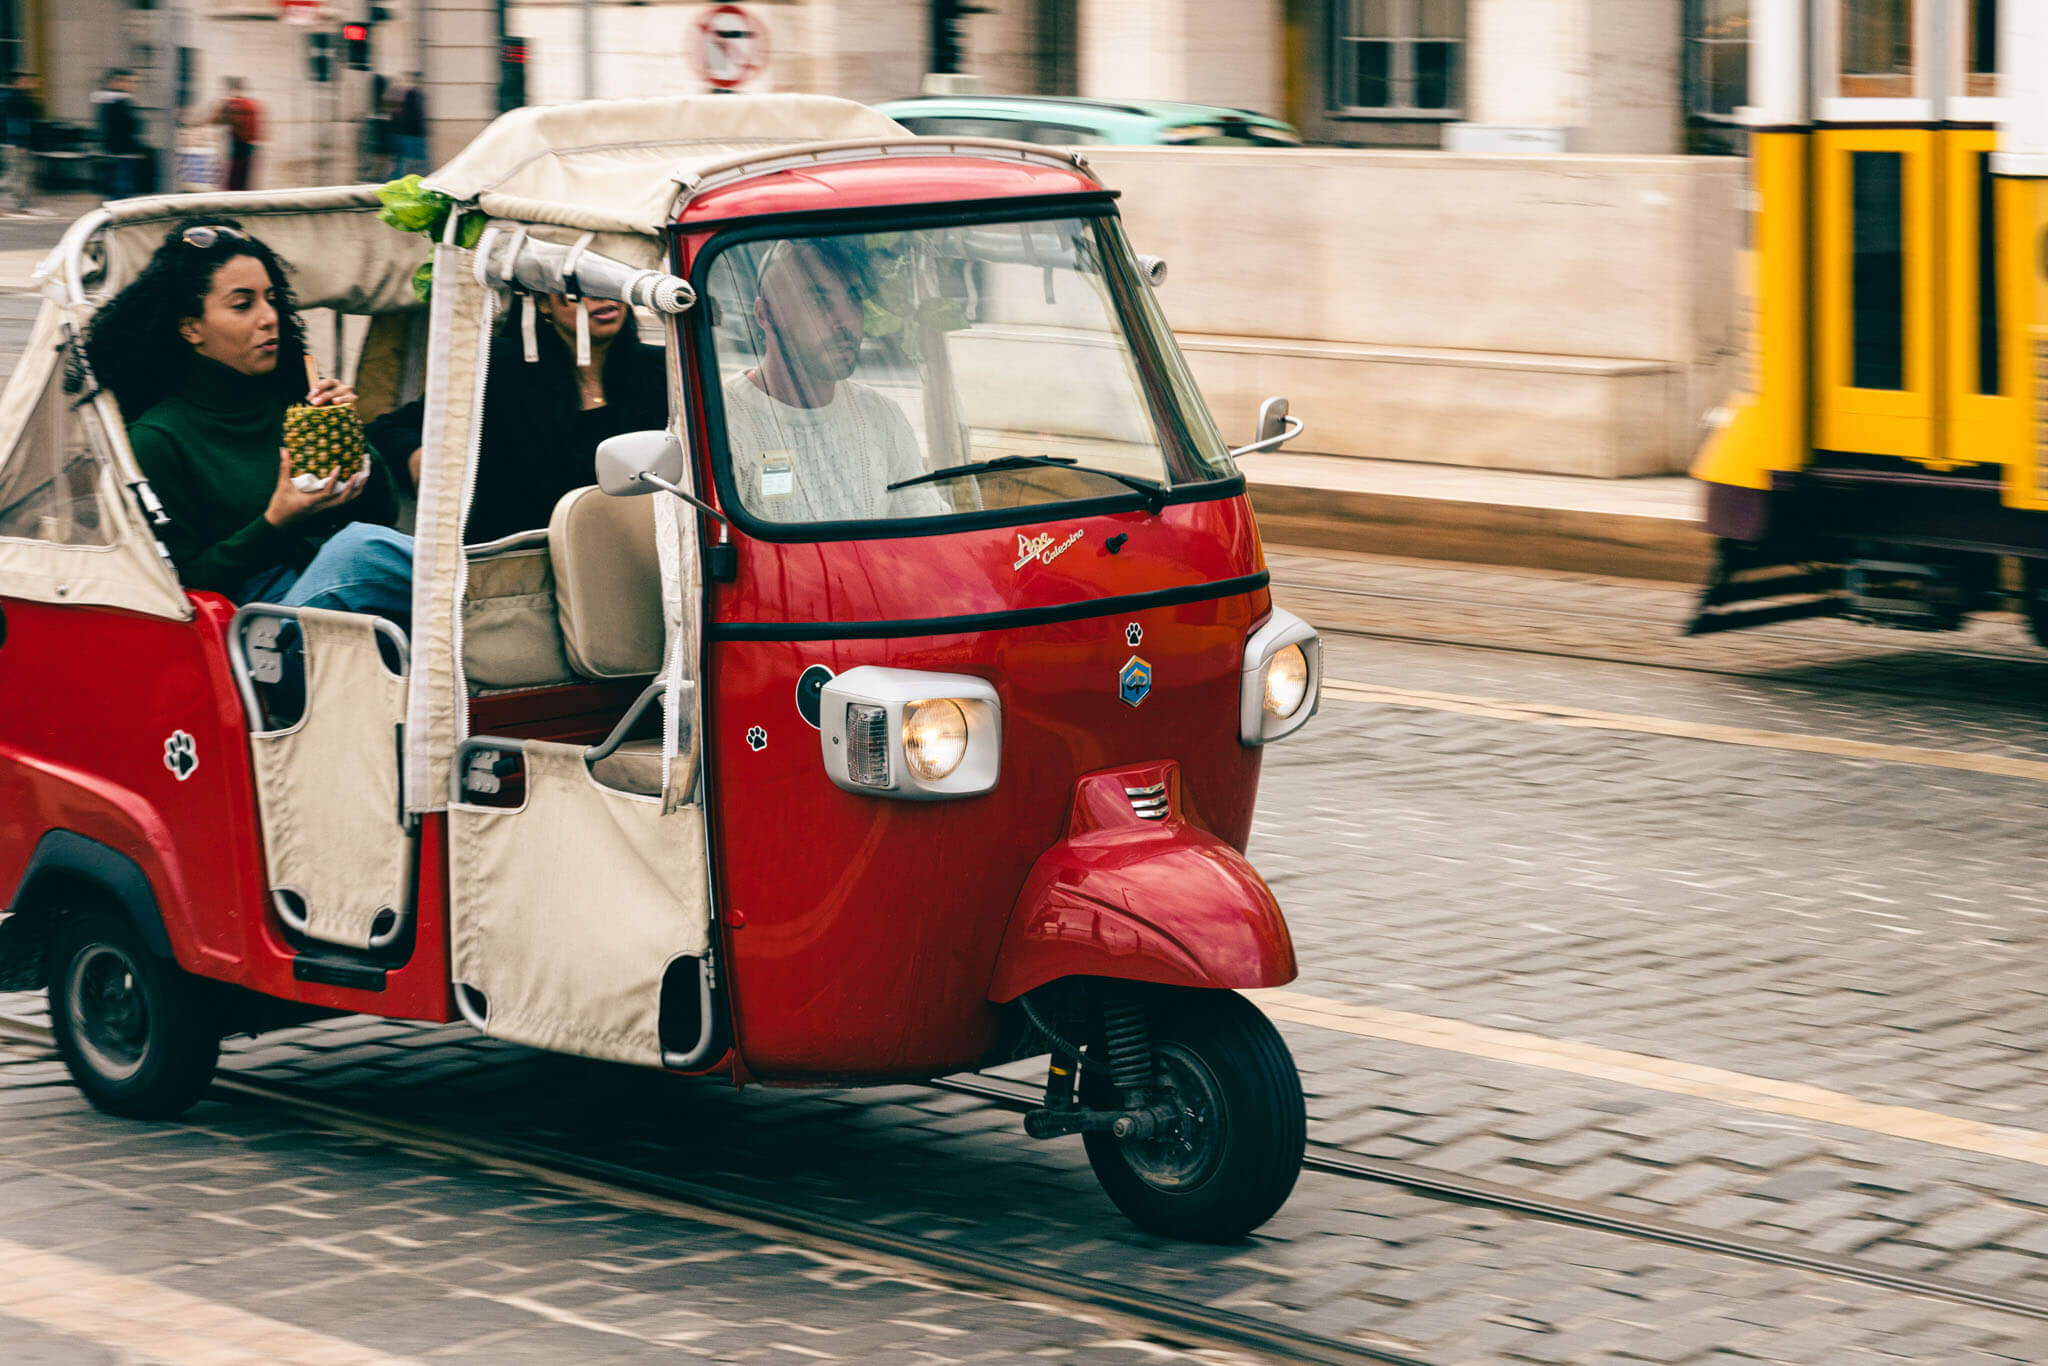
[[728, 47]]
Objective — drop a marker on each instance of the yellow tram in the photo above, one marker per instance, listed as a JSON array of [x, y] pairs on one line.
[[1885, 456]]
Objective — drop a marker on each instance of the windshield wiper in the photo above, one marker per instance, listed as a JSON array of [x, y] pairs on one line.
[[1155, 492]]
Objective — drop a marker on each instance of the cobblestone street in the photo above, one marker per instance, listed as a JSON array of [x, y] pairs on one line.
[[1742, 934]]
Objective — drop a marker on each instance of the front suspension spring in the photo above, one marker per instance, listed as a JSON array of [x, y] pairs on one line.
[[1129, 1047]]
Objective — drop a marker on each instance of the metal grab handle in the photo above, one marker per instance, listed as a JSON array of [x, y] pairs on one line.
[[605, 748], [1294, 426]]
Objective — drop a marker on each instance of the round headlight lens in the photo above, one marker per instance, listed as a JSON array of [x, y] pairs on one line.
[[1286, 683], [934, 737]]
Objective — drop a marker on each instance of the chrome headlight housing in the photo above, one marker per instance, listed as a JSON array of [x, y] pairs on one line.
[[910, 734], [1282, 683]]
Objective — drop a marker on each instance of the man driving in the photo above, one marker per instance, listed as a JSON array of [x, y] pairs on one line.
[[809, 443]]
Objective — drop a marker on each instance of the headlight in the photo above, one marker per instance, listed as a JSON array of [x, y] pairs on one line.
[[1286, 683], [934, 737], [947, 728], [1281, 682]]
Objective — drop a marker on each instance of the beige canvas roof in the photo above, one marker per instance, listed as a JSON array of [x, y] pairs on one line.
[[340, 255], [613, 166]]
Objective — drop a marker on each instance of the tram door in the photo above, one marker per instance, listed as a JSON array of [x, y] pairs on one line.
[[1908, 352]]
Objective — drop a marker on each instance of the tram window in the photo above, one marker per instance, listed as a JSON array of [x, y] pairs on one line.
[[1982, 78], [1987, 277], [1878, 272], [1877, 49]]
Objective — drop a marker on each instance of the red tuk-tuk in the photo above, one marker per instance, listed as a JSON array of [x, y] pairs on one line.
[[912, 724]]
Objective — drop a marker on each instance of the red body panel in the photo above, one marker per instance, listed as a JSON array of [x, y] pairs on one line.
[[884, 181], [90, 695], [1142, 900], [863, 931]]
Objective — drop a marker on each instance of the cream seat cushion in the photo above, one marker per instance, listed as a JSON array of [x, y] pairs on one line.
[[607, 583]]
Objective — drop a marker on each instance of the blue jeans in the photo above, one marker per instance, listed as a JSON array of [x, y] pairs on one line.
[[362, 568]]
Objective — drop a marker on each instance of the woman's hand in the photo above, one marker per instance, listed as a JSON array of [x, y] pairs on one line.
[[330, 391], [288, 502]]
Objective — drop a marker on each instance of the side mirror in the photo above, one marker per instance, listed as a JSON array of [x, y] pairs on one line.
[[622, 460], [1276, 428]]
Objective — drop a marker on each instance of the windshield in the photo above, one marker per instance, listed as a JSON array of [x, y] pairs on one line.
[[1024, 352]]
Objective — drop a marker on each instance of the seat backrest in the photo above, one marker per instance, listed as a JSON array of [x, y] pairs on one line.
[[607, 583]]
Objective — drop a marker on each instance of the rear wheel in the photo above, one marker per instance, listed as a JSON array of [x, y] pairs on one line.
[[1232, 1159], [130, 1026]]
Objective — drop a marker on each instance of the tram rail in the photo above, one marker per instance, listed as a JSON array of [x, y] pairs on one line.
[[1168, 1319], [1657, 643]]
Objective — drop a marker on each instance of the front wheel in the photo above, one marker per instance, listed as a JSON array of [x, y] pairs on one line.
[[130, 1026], [1232, 1160]]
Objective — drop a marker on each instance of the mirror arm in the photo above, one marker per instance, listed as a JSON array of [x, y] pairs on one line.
[[649, 477], [1294, 426]]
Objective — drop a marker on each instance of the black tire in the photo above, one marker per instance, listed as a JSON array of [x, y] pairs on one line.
[[131, 1027], [1235, 1165]]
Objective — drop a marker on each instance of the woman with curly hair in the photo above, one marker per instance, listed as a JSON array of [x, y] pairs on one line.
[[204, 351]]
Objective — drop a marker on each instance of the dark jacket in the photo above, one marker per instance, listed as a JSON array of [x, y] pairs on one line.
[[538, 442], [211, 454], [19, 115], [118, 124]]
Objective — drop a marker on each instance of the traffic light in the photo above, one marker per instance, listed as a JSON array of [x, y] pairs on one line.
[[319, 56], [946, 44], [512, 62], [355, 46]]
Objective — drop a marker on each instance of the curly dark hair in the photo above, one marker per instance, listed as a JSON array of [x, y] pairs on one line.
[[133, 344]]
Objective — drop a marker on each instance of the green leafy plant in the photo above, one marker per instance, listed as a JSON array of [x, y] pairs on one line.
[[411, 207]]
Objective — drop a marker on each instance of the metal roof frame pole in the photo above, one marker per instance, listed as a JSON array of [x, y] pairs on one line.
[[589, 8]]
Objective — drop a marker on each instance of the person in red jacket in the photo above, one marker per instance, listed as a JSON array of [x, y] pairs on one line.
[[244, 120]]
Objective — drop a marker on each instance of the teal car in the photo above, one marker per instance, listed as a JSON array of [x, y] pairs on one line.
[[1065, 121]]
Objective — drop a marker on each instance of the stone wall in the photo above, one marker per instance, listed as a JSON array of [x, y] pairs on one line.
[[1565, 314]]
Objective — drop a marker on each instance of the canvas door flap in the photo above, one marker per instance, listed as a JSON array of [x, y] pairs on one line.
[[328, 787], [69, 533], [566, 912], [460, 315]]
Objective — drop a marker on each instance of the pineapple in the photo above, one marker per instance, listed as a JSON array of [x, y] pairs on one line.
[[324, 440]]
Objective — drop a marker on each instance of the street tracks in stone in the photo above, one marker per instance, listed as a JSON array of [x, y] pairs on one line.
[[1165, 1319], [1639, 628]]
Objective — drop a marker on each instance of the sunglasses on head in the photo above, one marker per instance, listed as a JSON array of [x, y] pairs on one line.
[[205, 236]]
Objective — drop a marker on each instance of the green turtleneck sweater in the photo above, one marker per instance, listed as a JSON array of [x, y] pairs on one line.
[[211, 454]]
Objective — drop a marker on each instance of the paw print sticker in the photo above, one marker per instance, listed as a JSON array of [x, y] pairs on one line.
[[757, 739], [1134, 635], [181, 755]]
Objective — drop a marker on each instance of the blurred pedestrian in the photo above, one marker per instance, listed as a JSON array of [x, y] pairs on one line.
[[21, 109], [375, 154], [243, 118], [127, 156], [409, 130]]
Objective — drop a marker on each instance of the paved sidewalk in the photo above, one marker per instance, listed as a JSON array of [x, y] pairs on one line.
[[1642, 528]]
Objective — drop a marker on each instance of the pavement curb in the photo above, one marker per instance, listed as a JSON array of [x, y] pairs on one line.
[[1582, 540]]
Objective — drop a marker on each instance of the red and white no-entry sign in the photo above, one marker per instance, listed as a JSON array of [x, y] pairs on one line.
[[728, 46]]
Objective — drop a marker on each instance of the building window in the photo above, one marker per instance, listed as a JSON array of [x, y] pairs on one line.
[[1716, 73], [1398, 58], [1877, 49], [1982, 77]]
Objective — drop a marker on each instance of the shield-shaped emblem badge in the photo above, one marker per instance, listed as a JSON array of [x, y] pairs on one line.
[[1134, 681]]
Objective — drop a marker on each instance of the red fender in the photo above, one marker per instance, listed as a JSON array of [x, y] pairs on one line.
[[1144, 900]]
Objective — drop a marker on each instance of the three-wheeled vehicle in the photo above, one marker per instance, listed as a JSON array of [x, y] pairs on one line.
[[911, 723]]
